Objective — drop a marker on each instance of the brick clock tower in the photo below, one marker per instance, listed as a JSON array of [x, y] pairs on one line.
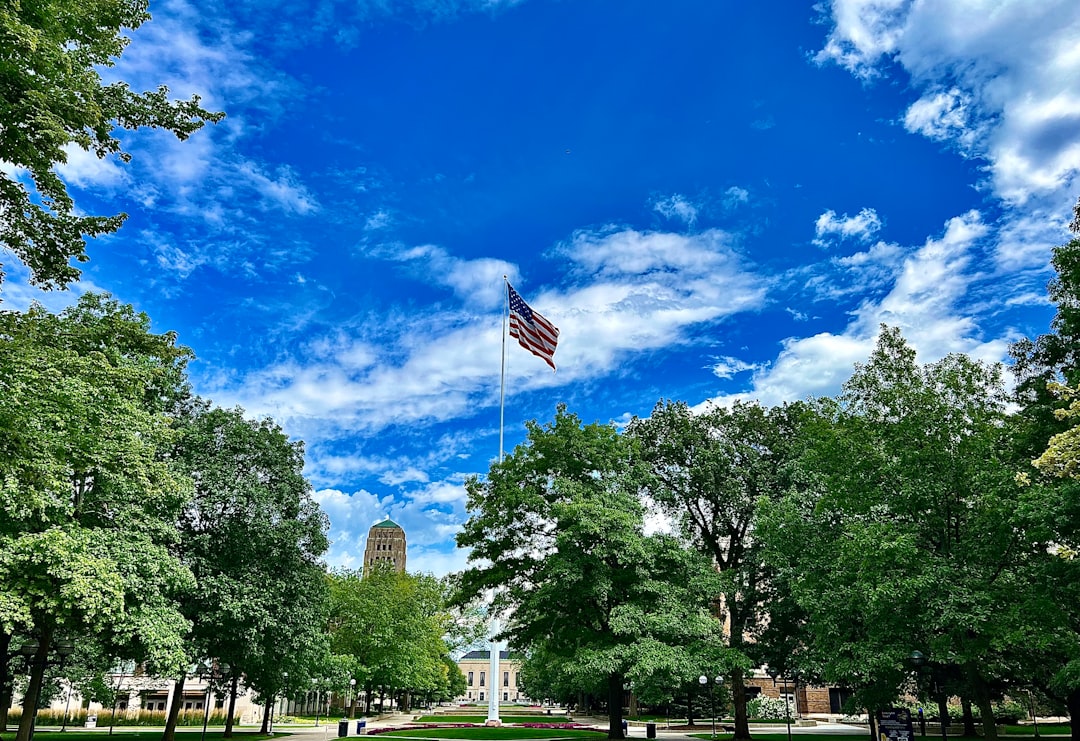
[[385, 544]]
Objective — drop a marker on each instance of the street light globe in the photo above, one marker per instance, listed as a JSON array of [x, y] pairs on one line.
[[703, 680], [719, 679], [29, 648]]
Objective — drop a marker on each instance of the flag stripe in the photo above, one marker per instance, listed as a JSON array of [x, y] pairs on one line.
[[533, 332]]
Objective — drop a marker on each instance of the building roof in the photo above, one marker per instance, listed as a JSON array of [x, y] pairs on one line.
[[387, 523], [484, 655]]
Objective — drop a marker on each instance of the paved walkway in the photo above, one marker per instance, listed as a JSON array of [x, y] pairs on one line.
[[635, 731]]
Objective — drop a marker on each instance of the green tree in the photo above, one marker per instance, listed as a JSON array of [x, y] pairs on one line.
[[708, 471], [557, 530], [393, 627], [1045, 433], [52, 96], [88, 502], [251, 535], [916, 536]]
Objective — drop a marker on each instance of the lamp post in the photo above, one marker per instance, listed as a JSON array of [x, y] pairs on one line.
[[774, 673], [704, 682], [352, 697], [318, 690], [208, 672], [29, 651], [918, 660]]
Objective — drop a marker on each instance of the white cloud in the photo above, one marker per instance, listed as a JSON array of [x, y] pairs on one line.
[[381, 219], [85, 169], [478, 281], [405, 476], [1000, 80], [283, 191], [861, 227], [726, 367], [677, 207], [640, 291], [735, 195], [925, 301]]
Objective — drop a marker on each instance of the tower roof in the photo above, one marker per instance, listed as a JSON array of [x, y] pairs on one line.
[[387, 523]]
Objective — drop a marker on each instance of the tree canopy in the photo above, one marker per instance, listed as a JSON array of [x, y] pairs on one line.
[[557, 531], [52, 98]]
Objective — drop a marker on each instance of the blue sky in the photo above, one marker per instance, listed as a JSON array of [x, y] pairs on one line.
[[712, 200]]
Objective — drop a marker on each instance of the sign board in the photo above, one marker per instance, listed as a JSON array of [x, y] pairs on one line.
[[894, 724]]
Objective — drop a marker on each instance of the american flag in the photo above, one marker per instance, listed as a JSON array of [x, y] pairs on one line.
[[535, 333]]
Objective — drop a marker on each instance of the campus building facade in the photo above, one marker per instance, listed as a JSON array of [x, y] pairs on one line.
[[476, 666]]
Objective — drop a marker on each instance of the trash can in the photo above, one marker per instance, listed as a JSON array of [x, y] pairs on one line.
[[360, 726], [549, 711], [650, 730], [625, 725], [343, 728], [91, 721]]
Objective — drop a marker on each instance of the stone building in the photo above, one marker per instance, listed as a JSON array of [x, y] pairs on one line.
[[476, 665], [385, 543]]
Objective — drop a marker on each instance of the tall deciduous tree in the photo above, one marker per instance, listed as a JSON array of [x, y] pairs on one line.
[[251, 535], [1048, 374], [557, 530], [52, 97], [708, 471], [918, 536], [88, 501]]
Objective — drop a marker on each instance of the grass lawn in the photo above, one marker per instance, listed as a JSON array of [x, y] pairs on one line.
[[1051, 729], [494, 734], [506, 718]]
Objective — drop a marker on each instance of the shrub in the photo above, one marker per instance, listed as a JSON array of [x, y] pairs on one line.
[[767, 708]]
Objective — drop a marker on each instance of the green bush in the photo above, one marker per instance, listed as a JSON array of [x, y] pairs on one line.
[[77, 717]]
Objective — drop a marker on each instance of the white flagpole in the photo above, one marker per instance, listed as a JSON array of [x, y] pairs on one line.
[[493, 646], [502, 375]]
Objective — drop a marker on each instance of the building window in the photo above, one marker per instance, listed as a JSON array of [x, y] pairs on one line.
[[470, 679], [517, 679], [482, 675], [506, 696], [481, 697], [506, 679]]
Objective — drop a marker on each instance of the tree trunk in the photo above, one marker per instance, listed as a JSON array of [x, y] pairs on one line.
[[174, 709], [986, 709], [943, 713], [871, 721], [265, 727], [369, 695], [7, 680], [690, 707], [1072, 704], [233, 687], [614, 706], [33, 689], [969, 717], [738, 699]]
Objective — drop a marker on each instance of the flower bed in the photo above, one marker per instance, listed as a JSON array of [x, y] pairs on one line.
[[417, 726]]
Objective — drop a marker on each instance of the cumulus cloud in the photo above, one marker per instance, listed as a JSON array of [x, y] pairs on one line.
[[861, 227]]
